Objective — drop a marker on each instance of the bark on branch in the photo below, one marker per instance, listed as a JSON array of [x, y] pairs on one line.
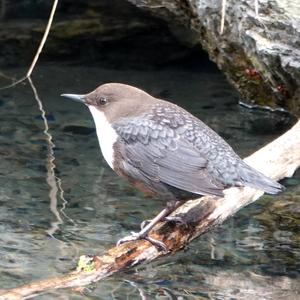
[[277, 160]]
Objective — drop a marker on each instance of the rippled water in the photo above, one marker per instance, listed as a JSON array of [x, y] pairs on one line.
[[47, 221]]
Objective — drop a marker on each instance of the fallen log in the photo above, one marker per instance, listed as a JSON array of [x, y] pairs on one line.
[[277, 160]]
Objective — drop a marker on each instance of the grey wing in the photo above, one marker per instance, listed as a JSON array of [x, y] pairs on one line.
[[159, 153]]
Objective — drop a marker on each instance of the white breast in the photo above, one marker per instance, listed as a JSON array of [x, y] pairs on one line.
[[107, 136]]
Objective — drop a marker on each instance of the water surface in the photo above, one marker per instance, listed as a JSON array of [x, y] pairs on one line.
[[59, 199]]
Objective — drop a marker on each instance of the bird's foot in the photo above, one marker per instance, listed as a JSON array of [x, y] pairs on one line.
[[137, 236], [132, 237], [158, 244], [145, 223]]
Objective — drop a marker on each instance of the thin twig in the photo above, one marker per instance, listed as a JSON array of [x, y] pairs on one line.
[[43, 41], [223, 16], [39, 50]]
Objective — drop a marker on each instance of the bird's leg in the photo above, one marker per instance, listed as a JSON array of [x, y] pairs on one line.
[[171, 206], [167, 218], [174, 219]]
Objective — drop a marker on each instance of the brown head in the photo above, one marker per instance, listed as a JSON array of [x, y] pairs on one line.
[[116, 100]]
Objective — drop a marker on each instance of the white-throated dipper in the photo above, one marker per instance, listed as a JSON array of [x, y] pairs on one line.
[[163, 150]]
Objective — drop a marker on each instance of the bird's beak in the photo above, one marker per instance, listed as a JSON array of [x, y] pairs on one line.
[[77, 98]]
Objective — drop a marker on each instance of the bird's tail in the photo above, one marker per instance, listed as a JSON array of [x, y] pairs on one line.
[[253, 178]]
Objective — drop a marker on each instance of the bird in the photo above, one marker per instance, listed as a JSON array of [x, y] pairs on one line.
[[164, 151]]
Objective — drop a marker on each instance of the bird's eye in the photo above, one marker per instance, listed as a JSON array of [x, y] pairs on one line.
[[101, 100]]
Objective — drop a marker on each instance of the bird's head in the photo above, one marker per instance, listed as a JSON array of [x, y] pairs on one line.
[[115, 100]]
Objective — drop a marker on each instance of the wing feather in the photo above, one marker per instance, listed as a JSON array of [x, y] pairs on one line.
[[166, 157]]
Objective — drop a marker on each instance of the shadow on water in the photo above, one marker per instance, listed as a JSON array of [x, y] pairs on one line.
[[256, 248]]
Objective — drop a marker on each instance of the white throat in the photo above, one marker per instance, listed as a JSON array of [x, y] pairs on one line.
[[107, 136]]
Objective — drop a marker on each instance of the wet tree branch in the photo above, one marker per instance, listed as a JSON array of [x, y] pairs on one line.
[[277, 160]]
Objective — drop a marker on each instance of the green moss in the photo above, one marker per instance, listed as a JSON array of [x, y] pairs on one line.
[[85, 263]]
